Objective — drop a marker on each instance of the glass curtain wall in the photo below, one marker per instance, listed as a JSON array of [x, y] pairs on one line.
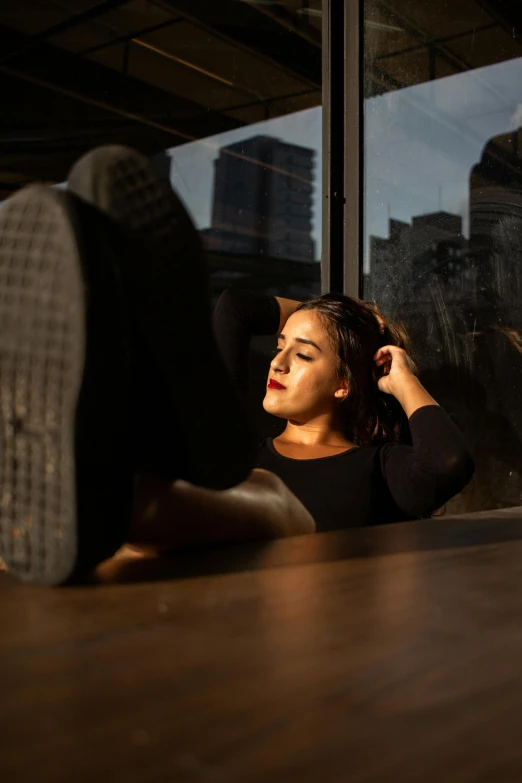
[[443, 213]]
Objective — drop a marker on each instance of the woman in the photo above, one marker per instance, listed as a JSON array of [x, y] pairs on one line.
[[342, 380], [348, 395], [107, 375]]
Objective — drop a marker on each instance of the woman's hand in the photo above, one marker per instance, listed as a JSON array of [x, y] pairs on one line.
[[397, 366], [400, 379]]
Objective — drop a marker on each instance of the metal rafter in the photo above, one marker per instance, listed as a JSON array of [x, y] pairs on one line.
[[437, 41], [246, 28], [61, 27], [92, 83], [441, 51], [508, 14], [289, 20], [128, 115], [129, 36]]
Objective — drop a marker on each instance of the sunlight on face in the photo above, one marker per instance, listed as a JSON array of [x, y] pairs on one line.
[[305, 365]]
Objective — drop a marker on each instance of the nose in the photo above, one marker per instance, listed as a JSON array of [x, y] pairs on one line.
[[279, 363]]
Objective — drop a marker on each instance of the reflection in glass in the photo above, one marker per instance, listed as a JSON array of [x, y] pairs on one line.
[[223, 96], [257, 203], [443, 215], [227, 88]]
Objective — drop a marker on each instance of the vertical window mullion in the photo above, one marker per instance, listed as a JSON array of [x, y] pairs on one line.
[[333, 144], [353, 157]]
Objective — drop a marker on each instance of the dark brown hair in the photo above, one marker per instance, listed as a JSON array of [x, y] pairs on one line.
[[357, 330]]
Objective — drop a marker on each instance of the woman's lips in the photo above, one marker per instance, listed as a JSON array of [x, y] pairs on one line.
[[275, 385]]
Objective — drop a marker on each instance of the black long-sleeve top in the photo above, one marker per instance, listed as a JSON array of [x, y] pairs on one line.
[[366, 485]]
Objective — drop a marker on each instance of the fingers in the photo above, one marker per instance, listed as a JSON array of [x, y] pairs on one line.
[[384, 361], [390, 353], [388, 350]]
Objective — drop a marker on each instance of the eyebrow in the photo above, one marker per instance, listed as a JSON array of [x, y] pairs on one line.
[[300, 340]]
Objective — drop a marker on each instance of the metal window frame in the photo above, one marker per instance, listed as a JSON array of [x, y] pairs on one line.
[[333, 145], [354, 148], [341, 261]]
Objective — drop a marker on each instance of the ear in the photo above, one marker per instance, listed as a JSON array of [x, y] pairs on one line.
[[342, 390]]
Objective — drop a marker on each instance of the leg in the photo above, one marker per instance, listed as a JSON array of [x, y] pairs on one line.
[[65, 477], [166, 282], [168, 516]]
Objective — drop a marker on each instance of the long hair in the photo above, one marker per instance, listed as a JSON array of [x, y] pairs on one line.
[[357, 330]]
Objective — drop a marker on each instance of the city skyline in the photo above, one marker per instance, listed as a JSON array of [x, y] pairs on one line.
[[421, 143]]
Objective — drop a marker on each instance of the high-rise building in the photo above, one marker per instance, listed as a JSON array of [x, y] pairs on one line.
[[263, 191], [431, 248]]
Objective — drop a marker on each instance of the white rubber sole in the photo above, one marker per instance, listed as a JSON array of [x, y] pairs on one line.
[[42, 354]]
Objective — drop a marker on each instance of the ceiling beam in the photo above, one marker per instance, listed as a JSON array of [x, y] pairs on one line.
[[90, 82], [61, 27], [290, 20], [129, 36], [245, 27], [508, 14], [445, 54], [429, 42]]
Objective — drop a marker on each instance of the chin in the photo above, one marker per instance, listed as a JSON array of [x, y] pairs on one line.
[[270, 405]]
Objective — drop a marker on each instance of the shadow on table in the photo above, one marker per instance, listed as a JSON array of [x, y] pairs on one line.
[[464, 531]]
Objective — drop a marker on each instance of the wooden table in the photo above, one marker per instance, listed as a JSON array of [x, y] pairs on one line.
[[380, 654]]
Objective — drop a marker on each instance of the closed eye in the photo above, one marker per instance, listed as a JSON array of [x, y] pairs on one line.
[[300, 355]]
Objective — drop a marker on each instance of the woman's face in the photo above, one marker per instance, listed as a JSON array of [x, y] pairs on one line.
[[305, 366]]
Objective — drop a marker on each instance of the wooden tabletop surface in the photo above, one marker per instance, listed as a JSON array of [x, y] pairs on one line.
[[378, 654]]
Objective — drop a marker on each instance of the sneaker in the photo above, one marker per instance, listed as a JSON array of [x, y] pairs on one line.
[[199, 431], [65, 478]]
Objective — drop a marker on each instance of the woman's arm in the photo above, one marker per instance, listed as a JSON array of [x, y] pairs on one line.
[[238, 316], [423, 477], [169, 516], [439, 464], [287, 307]]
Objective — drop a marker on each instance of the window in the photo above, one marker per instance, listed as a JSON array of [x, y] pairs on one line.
[[225, 95], [443, 213]]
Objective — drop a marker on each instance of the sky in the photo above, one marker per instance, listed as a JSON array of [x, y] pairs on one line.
[[421, 143]]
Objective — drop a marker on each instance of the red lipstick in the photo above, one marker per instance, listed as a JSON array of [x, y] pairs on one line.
[[275, 385]]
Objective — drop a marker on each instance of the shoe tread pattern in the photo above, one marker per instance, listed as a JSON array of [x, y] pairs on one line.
[[41, 362]]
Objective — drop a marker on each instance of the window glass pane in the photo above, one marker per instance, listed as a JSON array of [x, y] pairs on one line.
[[255, 196], [443, 214], [224, 96]]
